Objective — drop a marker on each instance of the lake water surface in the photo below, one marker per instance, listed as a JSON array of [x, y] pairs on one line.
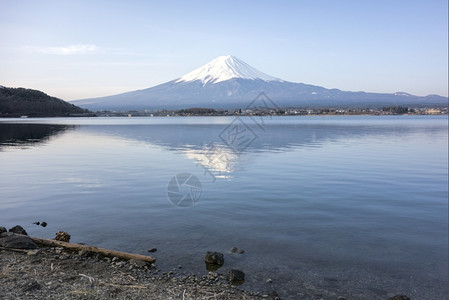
[[324, 206]]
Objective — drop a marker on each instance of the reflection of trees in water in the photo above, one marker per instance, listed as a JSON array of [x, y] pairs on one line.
[[28, 134]]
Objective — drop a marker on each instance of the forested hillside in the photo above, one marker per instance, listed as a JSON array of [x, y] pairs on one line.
[[16, 102]]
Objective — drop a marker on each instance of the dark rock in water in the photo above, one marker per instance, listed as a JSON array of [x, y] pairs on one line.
[[18, 229], [235, 276], [17, 241], [62, 236], [152, 250], [2, 229], [399, 297], [237, 250], [212, 267], [214, 258], [43, 224]]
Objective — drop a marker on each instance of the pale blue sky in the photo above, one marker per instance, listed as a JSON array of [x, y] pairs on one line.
[[80, 49]]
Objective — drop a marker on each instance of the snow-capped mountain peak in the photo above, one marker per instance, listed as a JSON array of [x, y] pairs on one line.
[[224, 68]]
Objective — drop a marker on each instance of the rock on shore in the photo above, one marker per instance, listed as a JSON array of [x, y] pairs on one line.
[[16, 241], [18, 229]]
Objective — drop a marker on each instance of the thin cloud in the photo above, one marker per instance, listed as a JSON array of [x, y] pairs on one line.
[[66, 50]]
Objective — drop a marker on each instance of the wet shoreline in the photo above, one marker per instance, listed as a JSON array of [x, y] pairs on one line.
[[41, 272]]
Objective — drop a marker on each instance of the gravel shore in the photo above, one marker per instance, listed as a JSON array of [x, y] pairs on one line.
[[34, 268], [55, 273]]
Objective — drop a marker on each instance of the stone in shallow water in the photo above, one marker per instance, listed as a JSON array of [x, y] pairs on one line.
[[235, 276], [237, 250], [214, 258], [17, 241]]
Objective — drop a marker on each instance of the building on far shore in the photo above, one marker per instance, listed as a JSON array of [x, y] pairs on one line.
[[433, 111]]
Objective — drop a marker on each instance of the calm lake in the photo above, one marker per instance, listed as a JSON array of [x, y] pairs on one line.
[[353, 206]]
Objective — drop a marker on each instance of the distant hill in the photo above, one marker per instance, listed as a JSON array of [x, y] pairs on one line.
[[16, 102], [228, 82]]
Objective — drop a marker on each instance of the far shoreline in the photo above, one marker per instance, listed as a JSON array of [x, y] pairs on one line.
[[442, 112]]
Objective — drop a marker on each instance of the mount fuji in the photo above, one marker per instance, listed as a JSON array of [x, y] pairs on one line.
[[228, 82]]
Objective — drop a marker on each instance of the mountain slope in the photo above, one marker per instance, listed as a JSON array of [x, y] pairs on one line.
[[16, 102], [228, 82]]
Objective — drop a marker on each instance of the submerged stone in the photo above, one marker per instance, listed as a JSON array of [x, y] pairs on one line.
[[237, 250], [235, 276], [214, 258]]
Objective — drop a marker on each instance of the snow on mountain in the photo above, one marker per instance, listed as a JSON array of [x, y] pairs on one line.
[[224, 68], [228, 82]]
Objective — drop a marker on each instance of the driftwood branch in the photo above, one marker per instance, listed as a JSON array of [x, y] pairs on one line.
[[134, 286], [14, 249], [105, 252]]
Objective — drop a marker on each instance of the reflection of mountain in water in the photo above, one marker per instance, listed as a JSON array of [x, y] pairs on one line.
[[28, 134], [215, 157], [211, 145]]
